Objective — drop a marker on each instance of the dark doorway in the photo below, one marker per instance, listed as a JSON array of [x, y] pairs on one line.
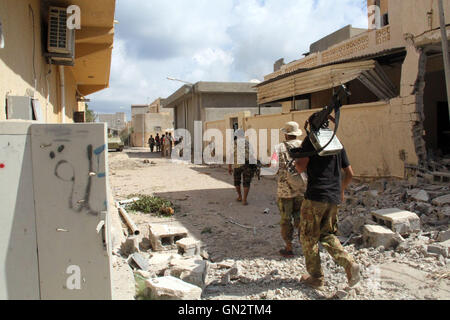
[[443, 127]]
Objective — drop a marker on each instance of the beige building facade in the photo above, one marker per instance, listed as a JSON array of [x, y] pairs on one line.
[[150, 120], [397, 115], [29, 75]]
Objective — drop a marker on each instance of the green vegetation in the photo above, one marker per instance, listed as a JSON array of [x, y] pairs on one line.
[[91, 116], [150, 204]]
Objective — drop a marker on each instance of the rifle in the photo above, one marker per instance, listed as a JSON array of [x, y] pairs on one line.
[[323, 139]]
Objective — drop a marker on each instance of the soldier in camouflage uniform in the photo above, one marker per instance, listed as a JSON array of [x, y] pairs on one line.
[[319, 213], [289, 196], [242, 168]]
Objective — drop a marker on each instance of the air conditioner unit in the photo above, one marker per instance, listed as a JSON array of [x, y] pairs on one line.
[[61, 40]]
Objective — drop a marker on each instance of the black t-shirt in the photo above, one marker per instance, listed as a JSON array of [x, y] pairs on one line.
[[324, 175]]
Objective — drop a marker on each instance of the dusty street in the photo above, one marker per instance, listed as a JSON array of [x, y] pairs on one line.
[[250, 238]]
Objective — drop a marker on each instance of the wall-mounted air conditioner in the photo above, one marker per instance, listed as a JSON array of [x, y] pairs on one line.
[[60, 40]]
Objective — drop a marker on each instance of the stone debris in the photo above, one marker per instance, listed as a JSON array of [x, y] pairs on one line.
[[164, 237], [171, 288], [421, 196], [189, 247], [400, 221], [441, 248], [138, 261], [377, 236], [130, 246], [441, 201], [192, 270], [444, 236], [159, 262]]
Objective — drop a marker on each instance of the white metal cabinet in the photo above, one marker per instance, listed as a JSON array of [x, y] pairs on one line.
[[54, 228], [70, 188], [19, 277]]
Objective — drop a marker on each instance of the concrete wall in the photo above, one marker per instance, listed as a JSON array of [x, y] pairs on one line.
[[366, 130]]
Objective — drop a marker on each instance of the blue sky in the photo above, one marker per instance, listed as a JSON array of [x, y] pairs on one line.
[[204, 40]]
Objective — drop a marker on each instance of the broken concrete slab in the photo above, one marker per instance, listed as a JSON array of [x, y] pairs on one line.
[[192, 270], [171, 288], [421, 196], [442, 200], [376, 236], [424, 208], [189, 247], [400, 221], [164, 237], [441, 248], [444, 236], [443, 213], [137, 261]]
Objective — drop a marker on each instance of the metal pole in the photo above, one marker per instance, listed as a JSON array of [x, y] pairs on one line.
[[445, 51]]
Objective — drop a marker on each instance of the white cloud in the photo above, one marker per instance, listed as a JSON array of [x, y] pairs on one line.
[[203, 40]]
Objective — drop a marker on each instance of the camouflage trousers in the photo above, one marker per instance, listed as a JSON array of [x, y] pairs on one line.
[[290, 217], [247, 174], [318, 223]]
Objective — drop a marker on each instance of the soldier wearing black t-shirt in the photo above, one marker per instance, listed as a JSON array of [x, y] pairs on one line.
[[319, 213]]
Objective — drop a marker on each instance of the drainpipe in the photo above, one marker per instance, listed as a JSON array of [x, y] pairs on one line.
[[63, 94], [445, 51]]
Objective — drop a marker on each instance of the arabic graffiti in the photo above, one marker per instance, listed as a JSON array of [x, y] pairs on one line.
[[65, 171]]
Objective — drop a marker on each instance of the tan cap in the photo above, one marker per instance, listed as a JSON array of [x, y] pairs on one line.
[[292, 129]]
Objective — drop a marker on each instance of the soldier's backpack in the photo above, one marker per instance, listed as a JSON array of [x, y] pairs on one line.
[[295, 180]]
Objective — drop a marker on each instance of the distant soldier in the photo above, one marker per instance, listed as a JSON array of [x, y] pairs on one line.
[[170, 144], [151, 142], [163, 137], [242, 171], [291, 186]]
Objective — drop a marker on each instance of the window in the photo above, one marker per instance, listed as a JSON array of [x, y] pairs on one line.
[[385, 19], [302, 104]]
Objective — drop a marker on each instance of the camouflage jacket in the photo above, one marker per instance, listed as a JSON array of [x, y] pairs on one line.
[[284, 190], [239, 162]]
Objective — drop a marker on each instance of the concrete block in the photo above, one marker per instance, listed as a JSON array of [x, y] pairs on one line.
[[441, 201], [441, 248], [189, 247], [399, 221], [376, 236], [164, 237], [171, 288], [444, 236], [193, 270], [421, 196]]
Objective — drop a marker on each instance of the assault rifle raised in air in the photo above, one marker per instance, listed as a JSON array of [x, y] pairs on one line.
[[322, 137]]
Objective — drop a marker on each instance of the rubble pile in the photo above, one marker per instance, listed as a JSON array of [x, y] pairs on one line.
[[396, 231]]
